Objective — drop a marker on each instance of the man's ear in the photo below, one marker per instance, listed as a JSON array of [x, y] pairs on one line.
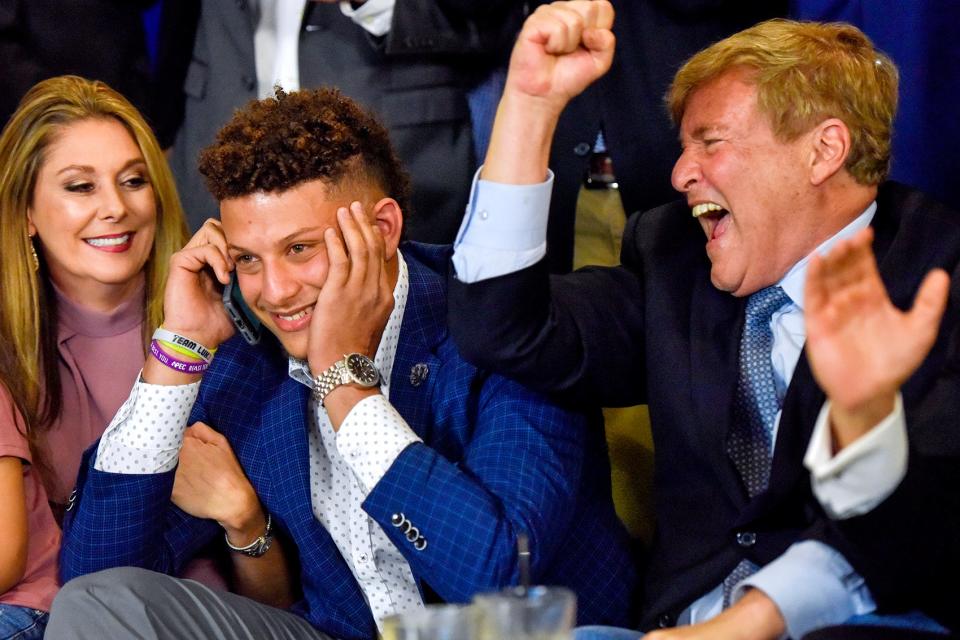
[[830, 146], [388, 218]]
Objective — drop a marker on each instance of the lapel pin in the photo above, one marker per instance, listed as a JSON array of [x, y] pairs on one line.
[[419, 373]]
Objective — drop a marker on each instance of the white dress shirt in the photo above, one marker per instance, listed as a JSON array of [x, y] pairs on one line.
[[864, 473], [146, 434]]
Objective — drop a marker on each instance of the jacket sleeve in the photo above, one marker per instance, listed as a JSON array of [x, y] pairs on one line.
[[117, 520], [907, 545], [520, 472], [580, 334]]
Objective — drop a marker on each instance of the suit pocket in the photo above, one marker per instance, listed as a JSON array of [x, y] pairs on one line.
[[195, 84]]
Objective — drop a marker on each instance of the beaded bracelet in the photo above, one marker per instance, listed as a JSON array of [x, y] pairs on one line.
[[177, 365]]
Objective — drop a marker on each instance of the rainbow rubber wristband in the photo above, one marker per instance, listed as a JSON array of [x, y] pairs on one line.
[[192, 346], [177, 365]]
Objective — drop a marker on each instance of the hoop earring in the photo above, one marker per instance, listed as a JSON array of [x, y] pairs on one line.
[[33, 253]]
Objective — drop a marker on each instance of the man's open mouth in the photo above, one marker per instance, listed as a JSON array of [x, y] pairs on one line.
[[712, 217]]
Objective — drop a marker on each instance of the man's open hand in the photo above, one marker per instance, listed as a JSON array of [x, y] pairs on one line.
[[862, 348]]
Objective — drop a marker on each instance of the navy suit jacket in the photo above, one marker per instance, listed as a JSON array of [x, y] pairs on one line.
[[656, 331], [496, 459]]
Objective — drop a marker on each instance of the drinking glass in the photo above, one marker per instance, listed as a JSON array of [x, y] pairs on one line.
[[537, 613], [433, 622]]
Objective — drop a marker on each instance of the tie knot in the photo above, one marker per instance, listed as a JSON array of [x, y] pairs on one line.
[[762, 304]]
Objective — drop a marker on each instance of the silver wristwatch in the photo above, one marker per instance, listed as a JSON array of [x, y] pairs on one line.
[[355, 368], [259, 546]]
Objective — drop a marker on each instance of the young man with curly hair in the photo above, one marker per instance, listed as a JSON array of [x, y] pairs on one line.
[[353, 438]]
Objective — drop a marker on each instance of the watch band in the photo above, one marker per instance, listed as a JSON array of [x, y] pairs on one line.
[[259, 546], [354, 368], [329, 380]]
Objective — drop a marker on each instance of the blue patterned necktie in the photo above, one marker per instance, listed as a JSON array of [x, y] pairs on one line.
[[755, 408], [750, 441]]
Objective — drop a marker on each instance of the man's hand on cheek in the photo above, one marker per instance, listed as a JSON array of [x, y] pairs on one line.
[[357, 297]]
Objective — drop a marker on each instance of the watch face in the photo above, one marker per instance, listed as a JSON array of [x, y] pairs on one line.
[[362, 369]]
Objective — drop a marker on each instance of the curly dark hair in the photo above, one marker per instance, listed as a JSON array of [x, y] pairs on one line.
[[280, 142]]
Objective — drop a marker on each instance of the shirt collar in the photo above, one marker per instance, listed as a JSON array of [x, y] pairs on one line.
[[796, 277], [299, 370]]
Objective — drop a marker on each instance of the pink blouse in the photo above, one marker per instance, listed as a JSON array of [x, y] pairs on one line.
[[100, 357]]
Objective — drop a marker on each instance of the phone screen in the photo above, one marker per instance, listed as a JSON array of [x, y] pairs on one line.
[[246, 323]]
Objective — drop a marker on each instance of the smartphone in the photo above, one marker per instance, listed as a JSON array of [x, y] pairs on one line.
[[246, 323]]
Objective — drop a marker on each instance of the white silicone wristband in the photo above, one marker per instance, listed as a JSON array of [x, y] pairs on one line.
[[192, 346]]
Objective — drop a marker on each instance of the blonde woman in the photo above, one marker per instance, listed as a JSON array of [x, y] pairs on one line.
[[89, 217]]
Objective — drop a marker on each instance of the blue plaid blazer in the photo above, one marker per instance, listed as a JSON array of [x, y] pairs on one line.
[[496, 459]]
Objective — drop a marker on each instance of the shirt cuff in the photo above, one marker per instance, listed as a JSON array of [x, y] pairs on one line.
[[146, 434], [813, 586], [371, 437], [504, 229], [863, 474], [374, 16]]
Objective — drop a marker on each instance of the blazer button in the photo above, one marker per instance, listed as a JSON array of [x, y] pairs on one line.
[[746, 538], [412, 534], [420, 543], [582, 149], [665, 621], [397, 519]]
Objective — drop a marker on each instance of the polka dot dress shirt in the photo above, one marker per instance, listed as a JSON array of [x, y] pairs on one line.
[[345, 465]]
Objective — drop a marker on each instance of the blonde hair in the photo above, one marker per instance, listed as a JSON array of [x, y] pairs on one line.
[[28, 356], [806, 72]]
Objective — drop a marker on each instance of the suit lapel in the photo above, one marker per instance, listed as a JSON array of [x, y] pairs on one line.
[[284, 427], [416, 367], [799, 413], [283, 416], [715, 326]]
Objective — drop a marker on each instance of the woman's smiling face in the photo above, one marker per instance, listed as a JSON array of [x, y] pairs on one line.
[[93, 207]]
